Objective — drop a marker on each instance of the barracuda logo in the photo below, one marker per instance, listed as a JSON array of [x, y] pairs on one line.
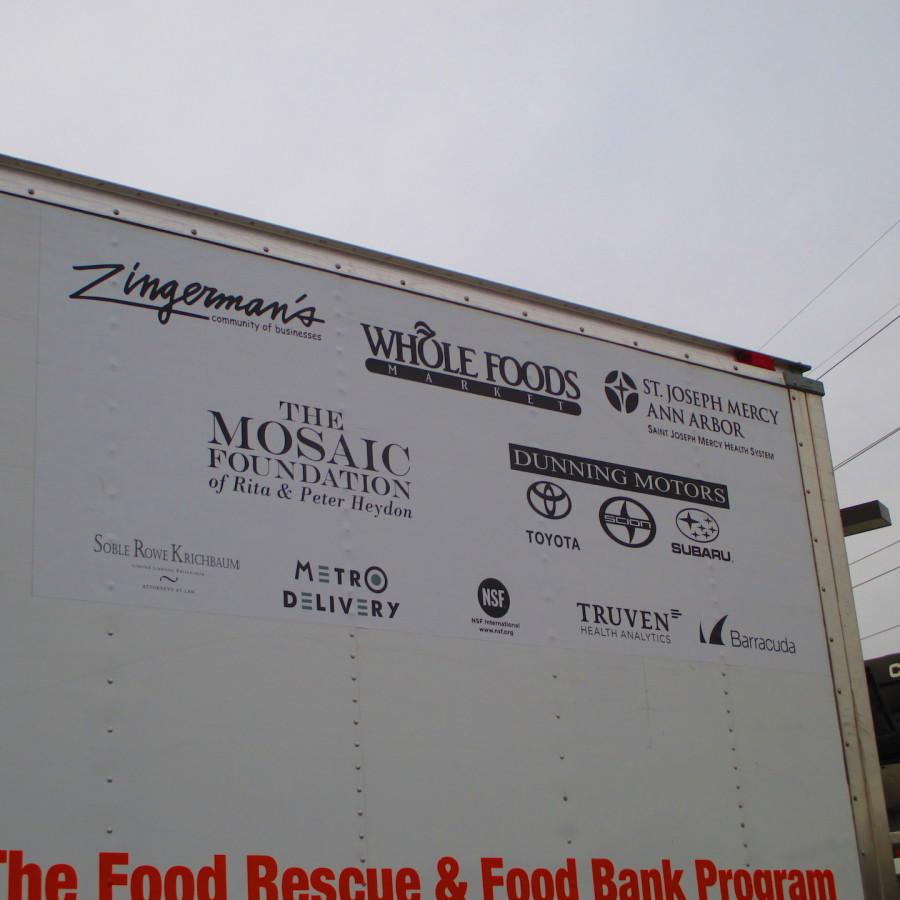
[[737, 638]]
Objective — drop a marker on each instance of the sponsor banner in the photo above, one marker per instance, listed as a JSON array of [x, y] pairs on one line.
[[227, 433], [261, 876], [616, 475]]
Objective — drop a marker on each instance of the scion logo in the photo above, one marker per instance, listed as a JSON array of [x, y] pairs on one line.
[[621, 391], [549, 500], [627, 522], [697, 525], [737, 638]]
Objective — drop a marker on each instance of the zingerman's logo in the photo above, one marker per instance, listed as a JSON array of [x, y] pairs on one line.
[[168, 297], [422, 357]]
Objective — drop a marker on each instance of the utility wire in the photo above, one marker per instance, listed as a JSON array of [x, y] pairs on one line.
[[859, 333], [859, 346], [833, 281], [883, 630], [866, 449], [874, 577], [892, 544]]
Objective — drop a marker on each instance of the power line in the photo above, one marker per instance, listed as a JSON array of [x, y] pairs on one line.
[[883, 630], [875, 577], [859, 346], [862, 331], [833, 281], [885, 547], [867, 448]]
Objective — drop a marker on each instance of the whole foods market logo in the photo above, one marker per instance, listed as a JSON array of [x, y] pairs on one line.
[[734, 637], [340, 591], [549, 500], [627, 522], [621, 391], [167, 297], [422, 357]]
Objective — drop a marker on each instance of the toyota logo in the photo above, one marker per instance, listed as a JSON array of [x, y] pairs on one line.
[[621, 391], [627, 522], [549, 500]]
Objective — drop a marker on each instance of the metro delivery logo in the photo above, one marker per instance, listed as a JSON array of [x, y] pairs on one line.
[[373, 579]]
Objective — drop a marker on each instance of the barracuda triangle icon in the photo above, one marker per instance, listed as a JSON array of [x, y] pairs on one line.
[[715, 636]]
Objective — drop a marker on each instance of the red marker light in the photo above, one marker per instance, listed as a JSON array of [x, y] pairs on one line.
[[752, 358]]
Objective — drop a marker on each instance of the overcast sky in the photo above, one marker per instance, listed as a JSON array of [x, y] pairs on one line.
[[708, 166]]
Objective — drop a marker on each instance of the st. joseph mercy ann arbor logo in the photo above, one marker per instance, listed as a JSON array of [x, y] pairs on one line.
[[621, 391]]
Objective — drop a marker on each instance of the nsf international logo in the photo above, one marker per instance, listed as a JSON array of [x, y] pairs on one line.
[[621, 391], [549, 500]]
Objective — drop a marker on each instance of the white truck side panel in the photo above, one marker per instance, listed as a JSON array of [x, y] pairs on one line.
[[174, 734]]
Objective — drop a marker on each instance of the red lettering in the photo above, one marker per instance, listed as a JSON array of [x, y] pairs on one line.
[[725, 875], [602, 872], [19, 870], [61, 878], [151, 875], [261, 874], [707, 875], [294, 884], [108, 878], [321, 881], [489, 880], [409, 886], [517, 884], [672, 880], [376, 891], [171, 881], [566, 881], [212, 881], [542, 884], [346, 876]]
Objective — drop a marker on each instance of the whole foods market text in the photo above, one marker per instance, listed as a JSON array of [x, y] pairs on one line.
[[419, 356]]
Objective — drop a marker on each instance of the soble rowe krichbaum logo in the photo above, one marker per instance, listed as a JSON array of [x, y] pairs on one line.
[[621, 391]]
